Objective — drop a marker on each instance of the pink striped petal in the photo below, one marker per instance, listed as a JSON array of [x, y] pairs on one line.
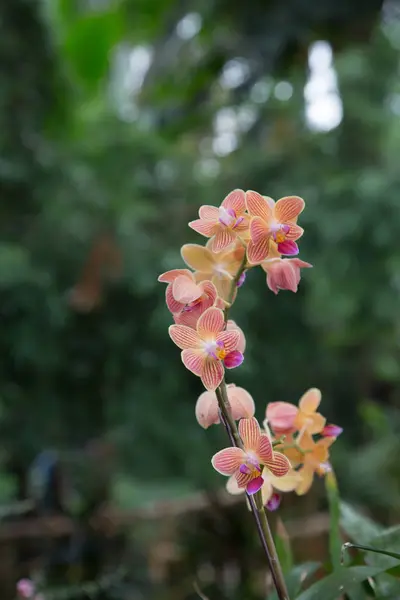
[[264, 449], [206, 228], [228, 460], [295, 231], [185, 290], [279, 465], [173, 305], [254, 485], [258, 206], [288, 208], [288, 248], [194, 360], [210, 291], [233, 359], [209, 213], [213, 374], [244, 224], [256, 253], [184, 337], [235, 200], [210, 323], [189, 317], [258, 230], [223, 238], [230, 339], [249, 431], [170, 276]]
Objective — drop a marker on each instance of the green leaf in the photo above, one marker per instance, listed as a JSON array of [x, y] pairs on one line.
[[359, 528], [89, 42], [296, 578], [283, 547], [335, 542], [348, 545], [341, 580]]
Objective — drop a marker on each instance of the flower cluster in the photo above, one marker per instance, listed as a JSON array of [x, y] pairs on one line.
[[245, 231]]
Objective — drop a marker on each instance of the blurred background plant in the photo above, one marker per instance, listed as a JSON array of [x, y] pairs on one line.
[[118, 120]]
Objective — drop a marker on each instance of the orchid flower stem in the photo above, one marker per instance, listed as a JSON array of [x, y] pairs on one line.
[[256, 503]]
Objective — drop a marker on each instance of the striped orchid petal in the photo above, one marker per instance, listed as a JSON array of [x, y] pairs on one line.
[[249, 431], [289, 208], [206, 228], [236, 200], [184, 337], [223, 238], [294, 232], [208, 213], [258, 230], [256, 253], [228, 460], [210, 323], [257, 205], [173, 305], [230, 339], [279, 465], [194, 360], [212, 374], [264, 449]]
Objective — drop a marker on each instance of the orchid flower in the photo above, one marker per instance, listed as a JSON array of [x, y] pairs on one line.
[[283, 273], [247, 464], [186, 299], [273, 226], [307, 419], [223, 224], [206, 350], [281, 417], [240, 401], [220, 268], [315, 460]]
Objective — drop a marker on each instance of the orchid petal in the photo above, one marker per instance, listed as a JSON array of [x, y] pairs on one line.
[[210, 291], [281, 417], [242, 404], [254, 485], [170, 276], [242, 479], [206, 410], [273, 503], [258, 230], [249, 431], [185, 290], [288, 208], [233, 359], [232, 326], [198, 257], [194, 360], [267, 489], [210, 323], [173, 305], [232, 486], [235, 200], [294, 232], [310, 400], [256, 253], [307, 475], [228, 460], [286, 483], [208, 213], [223, 238], [332, 430], [230, 339], [264, 449], [184, 337], [279, 465], [288, 248], [257, 205], [206, 228], [213, 374]]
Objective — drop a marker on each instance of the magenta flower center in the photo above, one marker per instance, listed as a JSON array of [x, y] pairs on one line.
[[216, 350], [228, 218], [251, 466]]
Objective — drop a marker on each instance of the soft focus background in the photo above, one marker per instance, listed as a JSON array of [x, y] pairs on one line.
[[118, 120]]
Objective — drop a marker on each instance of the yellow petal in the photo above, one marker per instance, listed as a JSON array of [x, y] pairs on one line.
[[287, 483], [310, 401], [307, 476], [198, 257]]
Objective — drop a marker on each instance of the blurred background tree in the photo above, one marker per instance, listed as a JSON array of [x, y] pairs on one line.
[[118, 120]]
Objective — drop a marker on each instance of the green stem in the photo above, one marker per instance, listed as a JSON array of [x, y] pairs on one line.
[[256, 503]]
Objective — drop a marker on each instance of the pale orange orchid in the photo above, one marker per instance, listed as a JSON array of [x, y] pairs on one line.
[[283, 273], [206, 350], [315, 460], [273, 226], [246, 465], [186, 299], [219, 268], [240, 401], [225, 223], [307, 419]]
